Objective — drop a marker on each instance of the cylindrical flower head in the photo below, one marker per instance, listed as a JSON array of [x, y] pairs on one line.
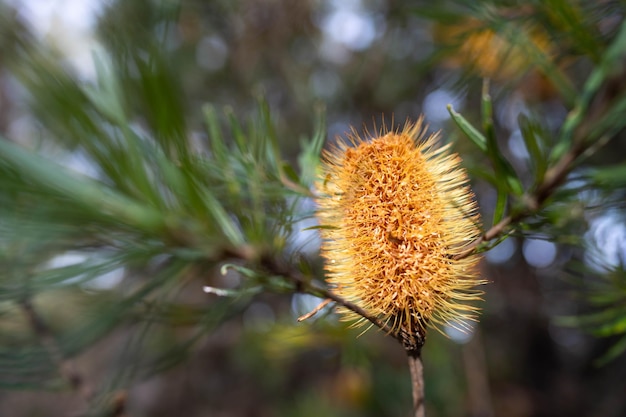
[[394, 211]]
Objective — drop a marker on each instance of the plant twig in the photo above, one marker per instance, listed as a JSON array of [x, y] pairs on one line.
[[306, 286], [66, 367], [315, 310]]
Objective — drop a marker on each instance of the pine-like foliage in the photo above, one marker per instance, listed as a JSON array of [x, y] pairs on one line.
[[117, 210]]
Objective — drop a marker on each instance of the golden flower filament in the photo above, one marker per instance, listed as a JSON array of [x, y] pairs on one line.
[[395, 211]]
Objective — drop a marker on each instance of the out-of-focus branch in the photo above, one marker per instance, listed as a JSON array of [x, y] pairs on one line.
[[66, 367]]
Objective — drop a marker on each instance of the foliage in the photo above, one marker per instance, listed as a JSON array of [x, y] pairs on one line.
[[118, 208]]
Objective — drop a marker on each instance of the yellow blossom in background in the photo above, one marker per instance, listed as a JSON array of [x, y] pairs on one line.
[[490, 54], [395, 211]]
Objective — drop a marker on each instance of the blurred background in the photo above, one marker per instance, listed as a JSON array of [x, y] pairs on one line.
[[366, 63]]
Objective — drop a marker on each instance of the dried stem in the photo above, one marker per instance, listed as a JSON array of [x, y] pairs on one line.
[[315, 310]]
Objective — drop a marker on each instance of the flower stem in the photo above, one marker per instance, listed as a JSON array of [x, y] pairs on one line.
[[417, 381]]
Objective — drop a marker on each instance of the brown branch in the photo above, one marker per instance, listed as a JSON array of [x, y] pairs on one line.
[[416, 368], [495, 231], [304, 285], [66, 368]]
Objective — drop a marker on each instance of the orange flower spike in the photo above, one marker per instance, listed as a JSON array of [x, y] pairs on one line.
[[397, 210]]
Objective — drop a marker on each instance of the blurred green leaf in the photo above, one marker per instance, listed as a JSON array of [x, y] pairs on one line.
[[613, 353], [607, 299], [80, 190], [519, 35], [218, 145], [504, 173], [506, 180], [609, 176], [531, 132], [611, 122], [468, 129], [601, 72], [310, 155], [224, 222], [500, 208], [568, 16], [162, 102], [107, 97]]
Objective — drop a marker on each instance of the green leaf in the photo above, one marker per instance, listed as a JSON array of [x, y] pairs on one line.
[[309, 157], [611, 122], [80, 190], [216, 139], [233, 293], [290, 173], [613, 176], [470, 131], [487, 114], [238, 134], [484, 173], [616, 325], [530, 132], [270, 147], [320, 226], [568, 17], [504, 172], [500, 209], [225, 222], [605, 68], [162, 102], [613, 353], [107, 97]]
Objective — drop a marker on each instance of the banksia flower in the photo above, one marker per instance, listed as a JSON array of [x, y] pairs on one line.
[[395, 213], [492, 54]]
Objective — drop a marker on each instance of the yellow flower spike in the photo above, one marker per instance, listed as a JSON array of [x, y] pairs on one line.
[[396, 210]]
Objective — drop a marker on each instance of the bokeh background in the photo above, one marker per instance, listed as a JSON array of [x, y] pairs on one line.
[[366, 63]]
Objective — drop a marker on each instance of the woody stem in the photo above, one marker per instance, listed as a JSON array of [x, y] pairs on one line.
[[416, 368]]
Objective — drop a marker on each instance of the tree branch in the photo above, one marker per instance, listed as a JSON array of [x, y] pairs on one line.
[[66, 367], [305, 285]]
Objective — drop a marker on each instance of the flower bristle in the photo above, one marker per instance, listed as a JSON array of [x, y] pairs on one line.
[[399, 209]]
